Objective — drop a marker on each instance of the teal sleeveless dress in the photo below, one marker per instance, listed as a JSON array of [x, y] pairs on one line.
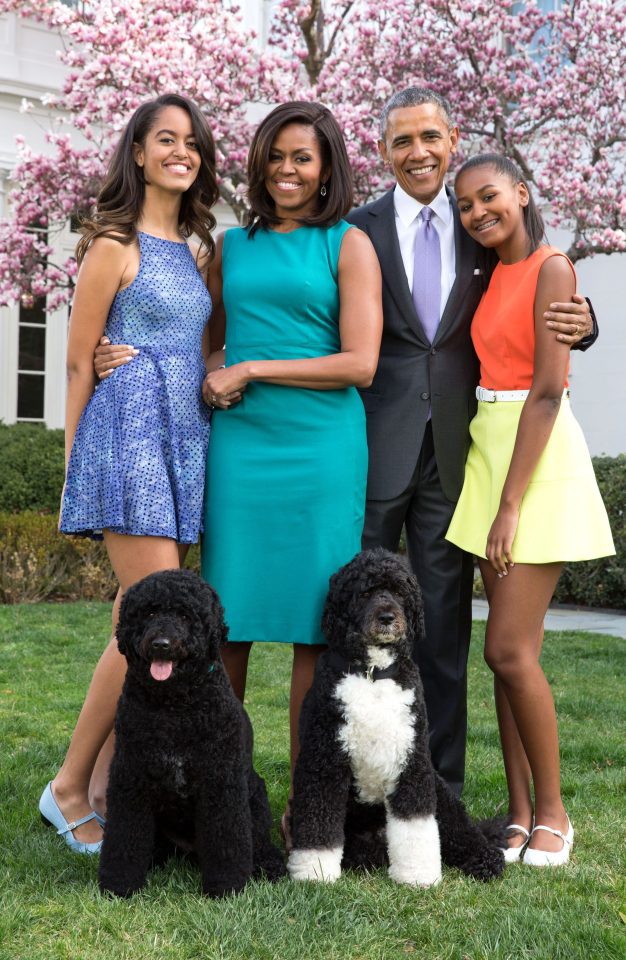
[[287, 466]]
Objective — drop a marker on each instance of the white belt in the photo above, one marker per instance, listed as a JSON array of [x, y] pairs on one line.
[[490, 396]]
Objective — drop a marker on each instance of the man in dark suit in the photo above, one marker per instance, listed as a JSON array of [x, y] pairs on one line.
[[423, 395]]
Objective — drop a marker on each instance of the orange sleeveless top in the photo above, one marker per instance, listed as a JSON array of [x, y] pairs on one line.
[[503, 328]]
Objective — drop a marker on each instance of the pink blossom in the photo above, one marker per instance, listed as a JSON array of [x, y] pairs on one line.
[[546, 88]]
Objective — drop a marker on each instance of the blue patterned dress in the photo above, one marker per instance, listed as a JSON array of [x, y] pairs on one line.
[[138, 459]]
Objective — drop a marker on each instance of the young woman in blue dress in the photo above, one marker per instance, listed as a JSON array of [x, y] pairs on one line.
[[299, 291], [136, 445]]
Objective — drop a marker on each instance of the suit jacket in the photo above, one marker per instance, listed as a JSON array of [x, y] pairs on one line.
[[414, 374]]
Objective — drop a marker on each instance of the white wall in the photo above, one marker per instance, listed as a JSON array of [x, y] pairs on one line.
[[29, 67], [598, 376]]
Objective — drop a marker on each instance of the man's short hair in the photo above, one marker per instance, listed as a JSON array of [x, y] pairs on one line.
[[414, 97]]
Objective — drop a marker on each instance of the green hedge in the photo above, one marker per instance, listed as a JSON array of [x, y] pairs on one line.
[[31, 468], [37, 563], [602, 583]]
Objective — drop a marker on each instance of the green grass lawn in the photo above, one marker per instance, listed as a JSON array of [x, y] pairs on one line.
[[50, 907]]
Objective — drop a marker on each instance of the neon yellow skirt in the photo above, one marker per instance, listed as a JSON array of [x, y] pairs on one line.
[[562, 516]]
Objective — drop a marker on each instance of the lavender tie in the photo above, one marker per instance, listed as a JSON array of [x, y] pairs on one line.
[[427, 274]]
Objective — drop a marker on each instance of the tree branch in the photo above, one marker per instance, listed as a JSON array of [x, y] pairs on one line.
[[342, 20], [312, 28]]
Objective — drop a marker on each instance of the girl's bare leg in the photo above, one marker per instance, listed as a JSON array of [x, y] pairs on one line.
[[516, 766], [131, 558], [304, 660], [302, 671], [518, 604], [235, 659]]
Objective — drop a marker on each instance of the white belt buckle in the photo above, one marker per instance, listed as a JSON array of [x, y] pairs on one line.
[[487, 396]]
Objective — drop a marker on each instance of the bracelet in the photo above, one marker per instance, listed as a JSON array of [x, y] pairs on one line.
[[222, 366]]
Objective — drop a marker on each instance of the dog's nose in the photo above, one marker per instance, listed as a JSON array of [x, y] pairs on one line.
[[386, 617], [160, 645]]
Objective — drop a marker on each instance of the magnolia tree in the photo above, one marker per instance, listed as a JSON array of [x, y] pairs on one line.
[[545, 87]]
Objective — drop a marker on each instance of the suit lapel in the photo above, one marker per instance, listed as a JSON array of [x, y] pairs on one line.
[[465, 261], [384, 236]]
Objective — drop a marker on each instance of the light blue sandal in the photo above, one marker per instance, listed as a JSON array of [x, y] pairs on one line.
[[52, 816]]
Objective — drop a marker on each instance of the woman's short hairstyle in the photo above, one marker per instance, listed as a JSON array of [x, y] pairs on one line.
[[533, 221], [120, 200], [339, 187]]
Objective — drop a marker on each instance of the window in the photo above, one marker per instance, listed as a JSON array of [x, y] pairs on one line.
[[542, 36], [31, 363]]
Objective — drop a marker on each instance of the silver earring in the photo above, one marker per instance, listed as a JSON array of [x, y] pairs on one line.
[[323, 190]]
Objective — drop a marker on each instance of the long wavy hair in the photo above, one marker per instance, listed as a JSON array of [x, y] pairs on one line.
[[339, 187], [120, 201]]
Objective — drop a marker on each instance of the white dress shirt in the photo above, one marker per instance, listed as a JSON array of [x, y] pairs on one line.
[[407, 211]]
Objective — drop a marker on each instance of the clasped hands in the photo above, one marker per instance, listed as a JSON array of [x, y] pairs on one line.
[[224, 386]]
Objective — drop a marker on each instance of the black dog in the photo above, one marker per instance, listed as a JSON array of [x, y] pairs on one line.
[[182, 765], [365, 790]]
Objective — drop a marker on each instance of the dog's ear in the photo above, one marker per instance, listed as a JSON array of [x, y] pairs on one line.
[[217, 629], [328, 613], [414, 611], [211, 615], [343, 588], [332, 620], [120, 636], [127, 616]]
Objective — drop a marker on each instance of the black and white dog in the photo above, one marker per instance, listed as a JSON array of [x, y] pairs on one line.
[[365, 791], [182, 767]]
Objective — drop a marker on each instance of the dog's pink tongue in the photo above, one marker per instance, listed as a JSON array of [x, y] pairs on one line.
[[160, 669]]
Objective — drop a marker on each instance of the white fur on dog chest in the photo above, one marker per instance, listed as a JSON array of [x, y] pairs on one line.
[[377, 733]]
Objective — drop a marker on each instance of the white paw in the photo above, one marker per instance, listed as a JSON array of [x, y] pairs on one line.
[[414, 851], [415, 877], [322, 864]]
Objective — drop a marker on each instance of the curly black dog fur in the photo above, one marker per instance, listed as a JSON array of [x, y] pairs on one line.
[[182, 765], [365, 791]]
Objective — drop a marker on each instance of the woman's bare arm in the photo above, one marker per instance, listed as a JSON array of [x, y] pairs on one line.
[[104, 271], [360, 328]]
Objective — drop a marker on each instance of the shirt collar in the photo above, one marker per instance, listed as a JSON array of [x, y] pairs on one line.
[[407, 208]]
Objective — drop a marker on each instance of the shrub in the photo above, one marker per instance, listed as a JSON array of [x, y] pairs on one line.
[[38, 563], [602, 583], [31, 467]]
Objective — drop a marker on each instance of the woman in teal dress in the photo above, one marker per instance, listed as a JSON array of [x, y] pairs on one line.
[[300, 292]]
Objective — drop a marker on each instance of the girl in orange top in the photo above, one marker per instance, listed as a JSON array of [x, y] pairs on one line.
[[528, 471]]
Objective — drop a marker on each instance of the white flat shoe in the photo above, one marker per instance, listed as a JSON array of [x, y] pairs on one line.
[[513, 854], [550, 858]]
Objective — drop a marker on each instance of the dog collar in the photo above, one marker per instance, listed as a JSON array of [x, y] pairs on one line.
[[341, 663]]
